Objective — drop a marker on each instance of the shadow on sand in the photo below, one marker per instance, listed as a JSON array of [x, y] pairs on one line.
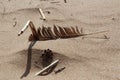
[[34, 60], [29, 57]]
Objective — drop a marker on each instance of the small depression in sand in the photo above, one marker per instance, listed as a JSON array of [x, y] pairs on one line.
[[21, 59]]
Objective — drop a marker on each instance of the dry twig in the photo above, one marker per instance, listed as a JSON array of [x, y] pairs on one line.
[[42, 14], [46, 68]]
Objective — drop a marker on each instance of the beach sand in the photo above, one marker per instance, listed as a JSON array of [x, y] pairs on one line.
[[89, 58]]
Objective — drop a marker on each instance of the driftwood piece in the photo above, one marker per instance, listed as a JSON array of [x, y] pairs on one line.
[[46, 68]]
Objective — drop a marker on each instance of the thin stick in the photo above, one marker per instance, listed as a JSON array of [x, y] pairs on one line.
[[59, 70], [42, 14], [49, 66], [24, 28]]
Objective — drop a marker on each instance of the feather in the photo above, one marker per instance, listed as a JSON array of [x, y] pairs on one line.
[[51, 33], [77, 30], [40, 36], [34, 32], [63, 34], [57, 33], [48, 33]]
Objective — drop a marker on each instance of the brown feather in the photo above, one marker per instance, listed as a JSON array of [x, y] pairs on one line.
[[73, 30], [34, 32], [57, 33], [46, 33], [64, 35], [77, 30], [39, 34], [69, 32], [51, 33]]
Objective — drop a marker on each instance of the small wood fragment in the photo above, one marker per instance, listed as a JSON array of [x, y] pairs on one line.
[[59, 70], [46, 68], [42, 14], [24, 28]]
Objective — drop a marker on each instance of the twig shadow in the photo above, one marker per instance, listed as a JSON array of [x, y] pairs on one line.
[[29, 57]]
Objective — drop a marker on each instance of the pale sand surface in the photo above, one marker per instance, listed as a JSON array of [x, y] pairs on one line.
[[84, 59]]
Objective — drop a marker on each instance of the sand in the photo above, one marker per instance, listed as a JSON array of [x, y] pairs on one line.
[[90, 58]]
